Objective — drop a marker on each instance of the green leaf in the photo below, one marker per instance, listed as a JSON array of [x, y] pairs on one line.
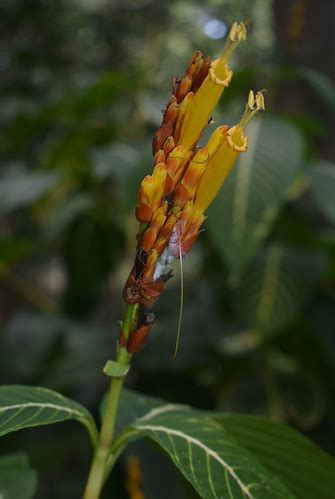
[[229, 455], [17, 479], [322, 184], [202, 453], [134, 406], [254, 193], [273, 289], [303, 467], [115, 369], [28, 406], [210, 458]]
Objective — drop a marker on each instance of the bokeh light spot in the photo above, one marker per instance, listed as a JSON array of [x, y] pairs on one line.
[[215, 29]]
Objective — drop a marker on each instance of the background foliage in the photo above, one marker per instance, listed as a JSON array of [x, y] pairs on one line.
[[84, 83]]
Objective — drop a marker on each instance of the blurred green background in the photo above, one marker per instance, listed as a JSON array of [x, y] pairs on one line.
[[83, 84]]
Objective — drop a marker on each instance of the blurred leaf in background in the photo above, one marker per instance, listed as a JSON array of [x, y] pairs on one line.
[[17, 479], [84, 84]]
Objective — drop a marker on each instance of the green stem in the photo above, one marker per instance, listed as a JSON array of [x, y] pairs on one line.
[[98, 471]]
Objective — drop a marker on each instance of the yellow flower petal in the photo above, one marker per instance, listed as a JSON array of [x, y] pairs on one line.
[[198, 109], [231, 144], [219, 166]]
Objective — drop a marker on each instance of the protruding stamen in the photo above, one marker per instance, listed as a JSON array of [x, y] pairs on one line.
[[237, 34], [260, 102], [251, 99], [233, 32], [254, 105], [241, 32]]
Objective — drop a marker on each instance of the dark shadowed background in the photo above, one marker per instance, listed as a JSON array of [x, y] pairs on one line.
[[83, 83]]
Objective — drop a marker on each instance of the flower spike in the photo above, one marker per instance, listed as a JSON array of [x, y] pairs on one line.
[[172, 201]]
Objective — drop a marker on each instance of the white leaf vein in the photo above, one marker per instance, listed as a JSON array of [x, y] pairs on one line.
[[43, 406], [192, 440], [157, 411]]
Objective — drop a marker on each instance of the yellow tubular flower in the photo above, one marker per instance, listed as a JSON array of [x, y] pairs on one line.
[[223, 159], [196, 109], [172, 200]]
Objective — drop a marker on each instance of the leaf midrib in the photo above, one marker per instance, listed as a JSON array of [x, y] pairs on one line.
[[204, 447], [43, 405]]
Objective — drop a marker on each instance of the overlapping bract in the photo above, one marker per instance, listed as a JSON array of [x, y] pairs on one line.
[[185, 180]]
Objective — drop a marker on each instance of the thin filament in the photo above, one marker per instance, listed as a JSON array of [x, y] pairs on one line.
[[181, 306]]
